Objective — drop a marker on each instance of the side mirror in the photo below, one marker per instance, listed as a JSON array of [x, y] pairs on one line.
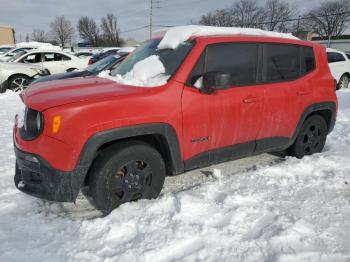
[[215, 81]]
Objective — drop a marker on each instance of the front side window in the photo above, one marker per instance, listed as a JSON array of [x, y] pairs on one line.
[[32, 59], [282, 62], [240, 60], [334, 57]]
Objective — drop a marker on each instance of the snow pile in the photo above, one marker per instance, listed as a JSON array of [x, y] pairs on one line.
[[176, 35], [262, 208], [148, 72]]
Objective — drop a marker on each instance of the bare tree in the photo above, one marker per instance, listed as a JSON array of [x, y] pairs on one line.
[[220, 17], [62, 30], [330, 19], [88, 30], [246, 13], [276, 14], [110, 30], [39, 35]]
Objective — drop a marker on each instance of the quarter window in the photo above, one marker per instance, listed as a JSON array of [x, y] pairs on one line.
[[307, 60]]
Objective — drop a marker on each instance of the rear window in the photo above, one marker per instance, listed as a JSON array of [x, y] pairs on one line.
[[334, 57]]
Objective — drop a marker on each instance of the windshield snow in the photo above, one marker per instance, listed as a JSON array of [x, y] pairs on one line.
[[150, 66]]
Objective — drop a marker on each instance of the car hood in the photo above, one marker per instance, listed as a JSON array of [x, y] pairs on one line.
[[50, 94]]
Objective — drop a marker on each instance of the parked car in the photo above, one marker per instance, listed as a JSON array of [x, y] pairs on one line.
[[339, 63], [103, 54], [107, 63], [17, 77], [53, 60], [119, 139], [5, 49], [5, 57], [83, 54]]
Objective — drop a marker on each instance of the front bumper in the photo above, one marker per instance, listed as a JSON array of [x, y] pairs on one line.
[[36, 177]]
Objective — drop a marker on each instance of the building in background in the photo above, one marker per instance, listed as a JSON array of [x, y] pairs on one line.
[[7, 36], [341, 43]]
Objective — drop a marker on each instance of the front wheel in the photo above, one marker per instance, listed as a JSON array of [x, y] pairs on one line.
[[18, 83], [311, 138], [126, 172]]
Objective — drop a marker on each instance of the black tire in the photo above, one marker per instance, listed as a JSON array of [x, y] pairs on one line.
[[311, 138], [343, 82], [18, 83], [125, 172]]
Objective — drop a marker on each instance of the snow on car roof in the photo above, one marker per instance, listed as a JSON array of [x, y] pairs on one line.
[[176, 35], [33, 44]]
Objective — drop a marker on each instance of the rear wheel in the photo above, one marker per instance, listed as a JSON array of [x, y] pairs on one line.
[[311, 138], [126, 172], [343, 82], [18, 83]]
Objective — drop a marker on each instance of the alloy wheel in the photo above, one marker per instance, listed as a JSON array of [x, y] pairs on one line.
[[19, 84]]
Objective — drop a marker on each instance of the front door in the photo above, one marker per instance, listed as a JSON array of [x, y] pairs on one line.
[[224, 124]]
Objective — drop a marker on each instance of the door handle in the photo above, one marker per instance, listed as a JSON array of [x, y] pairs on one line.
[[303, 92], [250, 99]]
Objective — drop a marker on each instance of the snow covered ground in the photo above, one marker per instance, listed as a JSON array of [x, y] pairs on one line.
[[261, 208]]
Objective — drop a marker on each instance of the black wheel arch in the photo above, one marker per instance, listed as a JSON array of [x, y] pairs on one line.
[[328, 110], [159, 135]]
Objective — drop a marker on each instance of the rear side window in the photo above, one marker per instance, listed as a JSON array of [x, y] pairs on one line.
[[307, 60], [282, 62], [334, 57], [238, 59]]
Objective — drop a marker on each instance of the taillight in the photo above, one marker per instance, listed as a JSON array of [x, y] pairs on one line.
[[90, 61]]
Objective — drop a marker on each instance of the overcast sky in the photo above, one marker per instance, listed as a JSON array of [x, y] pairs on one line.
[[24, 15]]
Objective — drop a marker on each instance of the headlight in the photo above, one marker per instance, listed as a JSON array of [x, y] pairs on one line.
[[33, 124]]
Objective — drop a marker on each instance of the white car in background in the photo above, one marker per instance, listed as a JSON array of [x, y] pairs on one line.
[[22, 47], [53, 60], [339, 65], [16, 77]]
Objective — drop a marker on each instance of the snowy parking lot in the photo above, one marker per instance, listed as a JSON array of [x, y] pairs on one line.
[[262, 208]]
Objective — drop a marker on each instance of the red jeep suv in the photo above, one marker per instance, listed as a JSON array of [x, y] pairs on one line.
[[226, 97]]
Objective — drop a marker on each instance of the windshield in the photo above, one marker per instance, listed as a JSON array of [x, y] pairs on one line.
[[102, 64], [170, 58], [16, 56]]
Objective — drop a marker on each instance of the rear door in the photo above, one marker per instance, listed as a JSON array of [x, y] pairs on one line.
[[287, 91], [56, 62], [225, 122]]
